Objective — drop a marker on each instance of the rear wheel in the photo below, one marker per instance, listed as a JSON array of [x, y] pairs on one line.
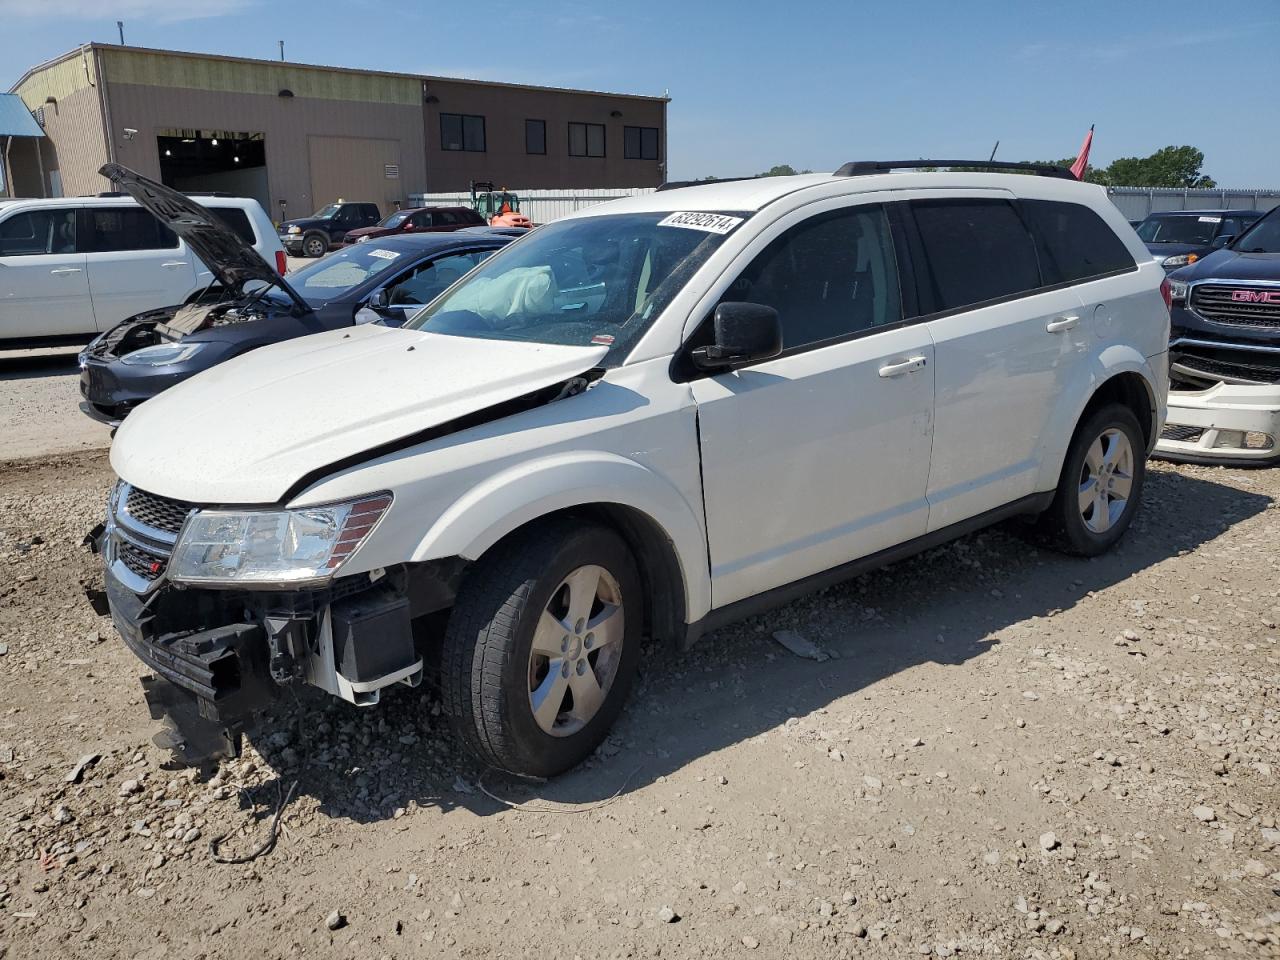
[[314, 245], [1101, 484], [542, 647]]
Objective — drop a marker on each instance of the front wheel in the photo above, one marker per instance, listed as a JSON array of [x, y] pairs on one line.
[[314, 246], [1101, 484], [542, 646]]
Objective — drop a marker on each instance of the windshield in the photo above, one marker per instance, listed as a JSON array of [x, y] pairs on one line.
[[326, 212], [1198, 229], [394, 220], [1262, 237], [332, 277], [595, 280]]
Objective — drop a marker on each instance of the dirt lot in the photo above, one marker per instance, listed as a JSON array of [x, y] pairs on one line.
[[1012, 754]]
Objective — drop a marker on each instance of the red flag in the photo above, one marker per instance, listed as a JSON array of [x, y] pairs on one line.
[[1082, 161]]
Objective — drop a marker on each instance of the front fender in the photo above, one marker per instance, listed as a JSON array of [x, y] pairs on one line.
[[506, 501], [1111, 361]]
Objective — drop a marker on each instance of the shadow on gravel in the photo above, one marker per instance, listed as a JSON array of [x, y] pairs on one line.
[[940, 607]]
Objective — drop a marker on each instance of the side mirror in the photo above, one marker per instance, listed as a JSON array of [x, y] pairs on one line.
[[380, 299], [1222, 240], [744, 333]]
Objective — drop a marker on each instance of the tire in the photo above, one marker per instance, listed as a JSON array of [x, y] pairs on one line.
[[500, 656], [1087, 526], [315, 245]]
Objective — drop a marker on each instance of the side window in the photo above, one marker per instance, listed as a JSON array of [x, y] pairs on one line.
[[977, 250], [237, 220], [828, 277], [429, 280], [1073, 242], [38, 232], [421, 220], [446, 218], [115, 229]]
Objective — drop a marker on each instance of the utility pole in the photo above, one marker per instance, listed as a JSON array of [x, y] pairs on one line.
[[120, 27], [281, 49]]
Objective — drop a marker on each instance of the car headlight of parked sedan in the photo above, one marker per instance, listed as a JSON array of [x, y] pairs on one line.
[[1179, 260], [1178, 291], [163, 354], [266, 547]]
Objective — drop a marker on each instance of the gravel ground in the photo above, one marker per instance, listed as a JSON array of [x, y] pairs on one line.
[[1010, 754], [39, 405]]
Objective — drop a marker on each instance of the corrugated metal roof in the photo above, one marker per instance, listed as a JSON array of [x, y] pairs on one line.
[[15, 119]]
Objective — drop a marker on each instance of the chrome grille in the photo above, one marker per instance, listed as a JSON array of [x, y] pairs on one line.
[[1217, 302], [155, 511], [141, 563]]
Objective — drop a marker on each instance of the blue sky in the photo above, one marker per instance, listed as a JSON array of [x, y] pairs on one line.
[[806, 83]]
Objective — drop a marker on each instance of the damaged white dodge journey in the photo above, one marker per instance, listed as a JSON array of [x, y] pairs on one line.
[[641, 421]]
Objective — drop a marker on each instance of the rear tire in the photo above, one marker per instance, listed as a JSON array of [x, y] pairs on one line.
[[315, 245], [1100, 489], [542, 646]]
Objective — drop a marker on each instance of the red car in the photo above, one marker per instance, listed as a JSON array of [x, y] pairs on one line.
[[419, 220]]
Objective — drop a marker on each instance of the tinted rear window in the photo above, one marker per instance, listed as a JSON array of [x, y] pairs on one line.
[[978, 250], [1073, 242], [237, 220], [111, 229]]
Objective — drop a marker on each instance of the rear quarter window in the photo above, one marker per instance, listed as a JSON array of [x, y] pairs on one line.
[[977, 250], [237, 220], [1073, 242]]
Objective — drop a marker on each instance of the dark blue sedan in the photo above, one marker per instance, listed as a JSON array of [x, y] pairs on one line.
[[383, 280]]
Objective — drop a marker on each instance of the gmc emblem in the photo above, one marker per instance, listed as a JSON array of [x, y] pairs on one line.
[[1256, 296]]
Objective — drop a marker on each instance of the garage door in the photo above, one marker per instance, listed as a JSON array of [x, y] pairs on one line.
[[355, 168]]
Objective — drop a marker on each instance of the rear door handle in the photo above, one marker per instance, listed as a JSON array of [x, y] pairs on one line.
[[63, 271], [1059, 324], [174, 263], [910, 365]]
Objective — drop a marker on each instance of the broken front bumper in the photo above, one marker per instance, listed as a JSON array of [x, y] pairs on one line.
[[1228, 423]]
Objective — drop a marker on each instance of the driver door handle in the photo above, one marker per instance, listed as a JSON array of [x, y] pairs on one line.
[[174, 263], [910, 365], [63, 271], [1061, 324]]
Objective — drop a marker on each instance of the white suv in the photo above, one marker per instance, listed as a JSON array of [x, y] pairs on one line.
[[73, 267], [644, 420]]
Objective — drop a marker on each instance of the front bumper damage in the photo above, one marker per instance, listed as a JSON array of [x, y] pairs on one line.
[[1224, 403], [220, 657]]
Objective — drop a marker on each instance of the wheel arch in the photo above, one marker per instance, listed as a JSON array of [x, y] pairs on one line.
[[664, 531], [1118, 374]]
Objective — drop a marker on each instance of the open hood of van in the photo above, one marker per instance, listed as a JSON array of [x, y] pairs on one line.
[[228, 257], [249, 430]]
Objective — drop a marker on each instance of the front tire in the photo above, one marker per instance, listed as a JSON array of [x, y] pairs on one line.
[[542, 646], [314, 245], [1101, 484]]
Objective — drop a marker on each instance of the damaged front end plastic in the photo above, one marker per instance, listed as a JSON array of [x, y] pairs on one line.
[[1224, 405], [221, 656]]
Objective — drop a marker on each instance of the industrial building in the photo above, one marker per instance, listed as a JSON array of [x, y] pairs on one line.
[[297, 136]]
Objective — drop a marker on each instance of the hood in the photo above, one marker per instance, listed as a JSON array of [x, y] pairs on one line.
[[302, 223], [247, 430], [229, 258], [369, 231], [1162, 250], [1229, 265]]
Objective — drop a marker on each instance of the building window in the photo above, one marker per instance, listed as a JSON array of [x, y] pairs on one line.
[[535, 136], [461, 131], [586, 139], [640, 143]]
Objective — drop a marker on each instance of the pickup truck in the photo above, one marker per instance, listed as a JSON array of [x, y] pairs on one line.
[[316, 235]]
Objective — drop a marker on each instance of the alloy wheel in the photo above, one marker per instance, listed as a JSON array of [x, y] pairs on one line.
[[576, 649], [1106, 480]]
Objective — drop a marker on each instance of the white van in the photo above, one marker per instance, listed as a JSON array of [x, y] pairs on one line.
[[648, 418], [73, 267]]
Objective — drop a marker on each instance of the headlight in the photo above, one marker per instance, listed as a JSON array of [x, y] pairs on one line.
[[1178, 291], [294, 229], [361, 239], [1181, 260], [267, 547], [162, 354]]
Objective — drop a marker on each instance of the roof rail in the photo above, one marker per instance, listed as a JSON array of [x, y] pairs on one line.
[[858, 168], [680, 184]]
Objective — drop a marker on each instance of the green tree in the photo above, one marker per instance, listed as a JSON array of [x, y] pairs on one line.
[[1167, 167], [783, 170]]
